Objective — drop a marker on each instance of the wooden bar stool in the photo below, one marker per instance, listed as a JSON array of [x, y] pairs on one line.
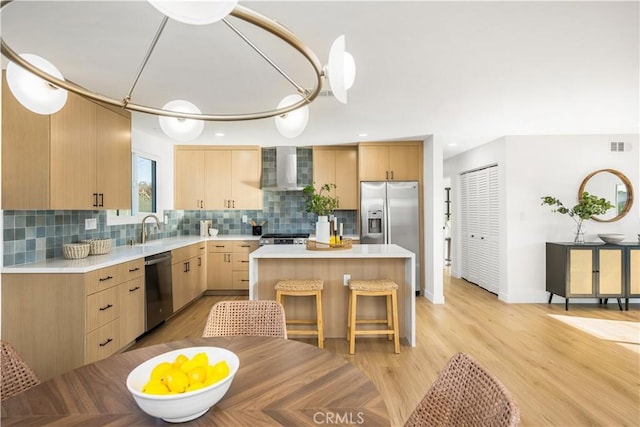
[[303, 288], [373, 288]]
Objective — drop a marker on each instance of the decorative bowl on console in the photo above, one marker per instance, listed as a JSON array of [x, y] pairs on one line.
[[611, 238]]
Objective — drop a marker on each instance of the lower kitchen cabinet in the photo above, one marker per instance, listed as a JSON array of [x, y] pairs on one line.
[[591, 270], [188, 271], [132, 314], [61, 321], [228, 263]]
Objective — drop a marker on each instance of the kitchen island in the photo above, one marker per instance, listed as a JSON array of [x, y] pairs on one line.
[[269, 264]]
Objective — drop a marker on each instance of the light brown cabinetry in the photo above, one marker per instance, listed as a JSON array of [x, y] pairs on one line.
[[59, 322], [339, 166], [77, 158], [188, 270], [580, 271], [229, 264], [217, 177], [132, 302], [399, 161]]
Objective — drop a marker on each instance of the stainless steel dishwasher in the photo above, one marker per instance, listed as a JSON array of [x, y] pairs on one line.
[[159, 295]]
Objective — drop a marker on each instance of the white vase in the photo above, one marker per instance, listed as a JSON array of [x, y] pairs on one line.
[[322, 229]]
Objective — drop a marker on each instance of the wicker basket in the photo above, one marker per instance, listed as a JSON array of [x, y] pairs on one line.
[[75, 250], [99, 246]]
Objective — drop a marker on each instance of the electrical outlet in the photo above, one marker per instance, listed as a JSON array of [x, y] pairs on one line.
[[166, 219], [345, 279], [244, 219], [90, 224]]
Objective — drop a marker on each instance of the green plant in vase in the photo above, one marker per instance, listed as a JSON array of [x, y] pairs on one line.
[[588, 206], [320, 202]]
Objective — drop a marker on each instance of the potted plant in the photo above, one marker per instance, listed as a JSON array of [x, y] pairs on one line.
[[588, 206], [318, 202], [322, 204]]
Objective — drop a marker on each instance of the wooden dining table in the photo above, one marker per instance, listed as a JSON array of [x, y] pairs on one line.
[[279, 382]]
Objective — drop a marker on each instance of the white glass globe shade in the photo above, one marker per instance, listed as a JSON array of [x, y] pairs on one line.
[[182, 130], [292, 123], [341, 69], [200, 12], [36, 94], [349, 70]]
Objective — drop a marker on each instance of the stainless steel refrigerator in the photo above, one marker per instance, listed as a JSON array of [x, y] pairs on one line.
[[389, 213]]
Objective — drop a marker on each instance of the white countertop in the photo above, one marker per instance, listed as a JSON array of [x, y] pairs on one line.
[[357, 251], [117, 255]]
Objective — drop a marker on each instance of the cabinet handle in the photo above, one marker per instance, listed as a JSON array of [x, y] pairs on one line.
[[219, 246], [102, 344], [95, 200], [233, 203], [391, 174], [186, 267], [131, 270], [244, 280], [228, 257], [199, 261], [245, 246], [387, 174], [244, 261], [106, 307], [202, 204], [104, 279], [134, 289], [101, 198]]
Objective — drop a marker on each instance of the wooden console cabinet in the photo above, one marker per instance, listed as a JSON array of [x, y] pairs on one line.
[[592, 270]]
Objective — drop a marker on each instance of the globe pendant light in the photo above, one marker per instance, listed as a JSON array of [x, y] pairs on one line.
[[35, 93], [341, 69], [195, 12], [180, 129], [292, 124]]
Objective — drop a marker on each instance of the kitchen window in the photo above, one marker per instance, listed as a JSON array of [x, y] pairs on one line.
[[143, 192]]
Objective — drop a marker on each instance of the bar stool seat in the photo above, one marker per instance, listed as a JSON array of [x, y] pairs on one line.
[[380, 287], [301, 288]]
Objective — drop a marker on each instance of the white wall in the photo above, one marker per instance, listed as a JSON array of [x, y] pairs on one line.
[[536, 166]]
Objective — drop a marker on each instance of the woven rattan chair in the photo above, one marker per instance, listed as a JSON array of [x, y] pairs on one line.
[[465, 394], [256, 318], [17, 376]]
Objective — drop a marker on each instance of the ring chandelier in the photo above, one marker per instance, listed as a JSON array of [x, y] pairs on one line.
[[40, 87]]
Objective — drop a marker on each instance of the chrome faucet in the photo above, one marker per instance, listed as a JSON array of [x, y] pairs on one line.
[[143, 235]]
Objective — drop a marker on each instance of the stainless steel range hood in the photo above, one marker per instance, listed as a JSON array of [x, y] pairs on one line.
[[286, 170]]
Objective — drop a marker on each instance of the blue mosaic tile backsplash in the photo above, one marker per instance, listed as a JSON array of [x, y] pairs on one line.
[[31, 236]]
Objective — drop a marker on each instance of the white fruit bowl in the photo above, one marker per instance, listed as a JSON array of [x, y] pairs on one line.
[[213, 232], [611, 238], [178, 408]]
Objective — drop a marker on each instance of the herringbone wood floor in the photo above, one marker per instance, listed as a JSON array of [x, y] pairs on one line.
[[560, 375]]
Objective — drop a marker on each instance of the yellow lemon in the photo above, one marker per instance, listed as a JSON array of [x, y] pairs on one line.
[[155, 387], [176, 380], [201, 360], [197, 375], [180, 359], [218, 372], [195, 386], [157, 374]]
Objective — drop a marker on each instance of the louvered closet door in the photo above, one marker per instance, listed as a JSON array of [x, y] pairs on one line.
[[480, 227]]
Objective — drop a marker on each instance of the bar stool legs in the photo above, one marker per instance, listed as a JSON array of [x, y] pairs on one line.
[[299, 288], [385, 288]]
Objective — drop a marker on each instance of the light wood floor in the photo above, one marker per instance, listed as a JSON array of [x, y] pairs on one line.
[[560, 375]]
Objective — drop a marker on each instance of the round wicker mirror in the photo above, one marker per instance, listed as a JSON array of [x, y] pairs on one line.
[[614, 186]]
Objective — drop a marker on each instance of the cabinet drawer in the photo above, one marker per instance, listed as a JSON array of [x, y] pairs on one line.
[[103, 342], [243, 246], [102, 308], [131, 270], [220, 246], [240, 261], [240, 280], [183, 254], [103, 278]]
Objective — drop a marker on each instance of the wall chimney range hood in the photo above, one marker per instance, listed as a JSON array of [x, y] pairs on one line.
[[286, 170]]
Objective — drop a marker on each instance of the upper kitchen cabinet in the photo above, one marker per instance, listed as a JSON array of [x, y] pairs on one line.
[[217, 177], [338, 165], [394, 161], [78, 158]]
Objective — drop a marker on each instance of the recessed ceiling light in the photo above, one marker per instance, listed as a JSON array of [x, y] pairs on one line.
[[219, 134], [361, 135], [453, 144]]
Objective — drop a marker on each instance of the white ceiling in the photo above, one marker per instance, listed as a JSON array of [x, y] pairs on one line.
[[465, 72]]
